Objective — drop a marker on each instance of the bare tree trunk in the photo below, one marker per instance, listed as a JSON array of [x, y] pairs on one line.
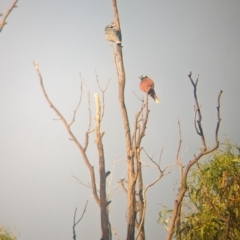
[[103, 175], [140, 205], [102, 200], [131, 215]]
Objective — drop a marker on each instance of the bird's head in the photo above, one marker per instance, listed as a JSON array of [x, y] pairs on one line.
[[143, 77]]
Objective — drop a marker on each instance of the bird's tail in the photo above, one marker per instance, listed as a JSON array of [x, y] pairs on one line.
[[156, 99], [152, 93]]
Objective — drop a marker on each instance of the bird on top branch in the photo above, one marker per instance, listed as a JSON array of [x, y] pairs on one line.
[[147, 86]]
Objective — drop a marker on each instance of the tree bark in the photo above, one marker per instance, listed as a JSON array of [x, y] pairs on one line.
[[131, 201], [4, 18], [103, 198]]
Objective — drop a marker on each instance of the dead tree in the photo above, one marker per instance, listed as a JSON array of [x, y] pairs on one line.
[[133, 166], [101, 200], [175, 218], [136, 199], [130, 152], [5, 15], [134, 187]]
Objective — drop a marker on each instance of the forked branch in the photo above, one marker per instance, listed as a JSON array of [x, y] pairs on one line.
[[204, 150], [161, 173], [78, 104], [197, 122], [76, 223], [72, 136], [103, 94]]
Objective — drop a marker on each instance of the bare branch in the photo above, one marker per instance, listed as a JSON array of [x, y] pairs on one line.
[[79, 102], [203, 151], [137, 127], [138, 97], [4, 17], [74, 220], [84, 184], [148, 165], [218, 115], [198, 112], [115, 233], [144, 123], [103, 93], [160, 156], [178, 151], [160, 175], [89, 121], [122, 184], [112, 190], [72, 136]]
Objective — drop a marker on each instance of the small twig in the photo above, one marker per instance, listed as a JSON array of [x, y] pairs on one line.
[[103, 93], [114, 190], [147, 165], [79, 102], [151, 159], [136, 125], [160, 156], [122, 184], [74, 220], [138, 97], [144, 124], [84, 184], [89, 121], [115, 233], [110, 181]]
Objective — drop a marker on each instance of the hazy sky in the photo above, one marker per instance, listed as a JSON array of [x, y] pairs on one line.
[[162, 39]]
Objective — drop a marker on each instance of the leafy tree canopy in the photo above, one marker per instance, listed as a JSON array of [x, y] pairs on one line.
[[213, 207], [6, 234]]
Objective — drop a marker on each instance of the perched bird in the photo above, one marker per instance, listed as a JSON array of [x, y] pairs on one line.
[[112, 34], [147, 86]]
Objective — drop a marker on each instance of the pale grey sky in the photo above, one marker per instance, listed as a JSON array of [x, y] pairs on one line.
[[162, 39]]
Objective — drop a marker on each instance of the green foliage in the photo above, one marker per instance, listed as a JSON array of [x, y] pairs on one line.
[[213, 207], [164, 216], [6, 234]]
